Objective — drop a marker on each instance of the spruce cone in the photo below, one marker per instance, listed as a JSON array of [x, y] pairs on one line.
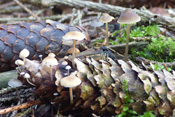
[[101, 91], [38, 37]]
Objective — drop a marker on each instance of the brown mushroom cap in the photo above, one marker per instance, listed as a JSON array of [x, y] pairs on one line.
[[70, 81], [67, 42], [70, 51], [106, 18], [128, 17], [74, 35], [50, 60]]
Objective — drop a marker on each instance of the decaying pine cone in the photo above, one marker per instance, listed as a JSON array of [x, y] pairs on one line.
[[38, 37], [101, 91]]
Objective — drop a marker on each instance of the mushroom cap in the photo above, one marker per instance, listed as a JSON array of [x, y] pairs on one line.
[[70, 51], [51, 55], [24, 53], [66, 57], [70, 81], [74, 35], [19, 62], [106, 18], [26, 75], [128, 17], [64, 63], [68, 67], [22, 73], [50, 60], [96, 23], [14, 83], [67, 42]]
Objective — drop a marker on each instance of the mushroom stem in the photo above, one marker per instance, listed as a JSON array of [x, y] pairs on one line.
[[71, 95], [106, 42], [127, 41], [51, 73], [18, 95], [73, 54], [27, 79], [68, 73], [96, 28]]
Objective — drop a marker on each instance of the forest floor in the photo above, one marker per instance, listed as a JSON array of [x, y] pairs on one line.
[[151, 44]]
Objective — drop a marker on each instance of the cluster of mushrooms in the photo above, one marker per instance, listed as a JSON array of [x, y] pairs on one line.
[[36, 72], [127, 17]]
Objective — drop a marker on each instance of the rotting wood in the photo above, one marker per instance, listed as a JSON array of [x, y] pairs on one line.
[[145, 15]]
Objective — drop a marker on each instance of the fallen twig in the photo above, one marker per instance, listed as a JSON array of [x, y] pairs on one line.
[[12, 9], [18, 107], [54, 17], [2, 6], [145, 15], [26, 9], [10, 89], [121, 47], [15, 97], [148, 38]]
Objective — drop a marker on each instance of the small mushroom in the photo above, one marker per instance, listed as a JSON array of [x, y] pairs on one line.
[[96, 24], [21, 73], [66, 57], [64, 63], [106, 18], [51, 61], [67, 42], [70, 82], [19, 62], [27, 77], [68, 68], [70, 51], [41, 57], [75, 36], [14, 83], [128, 17], [23, 54]]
